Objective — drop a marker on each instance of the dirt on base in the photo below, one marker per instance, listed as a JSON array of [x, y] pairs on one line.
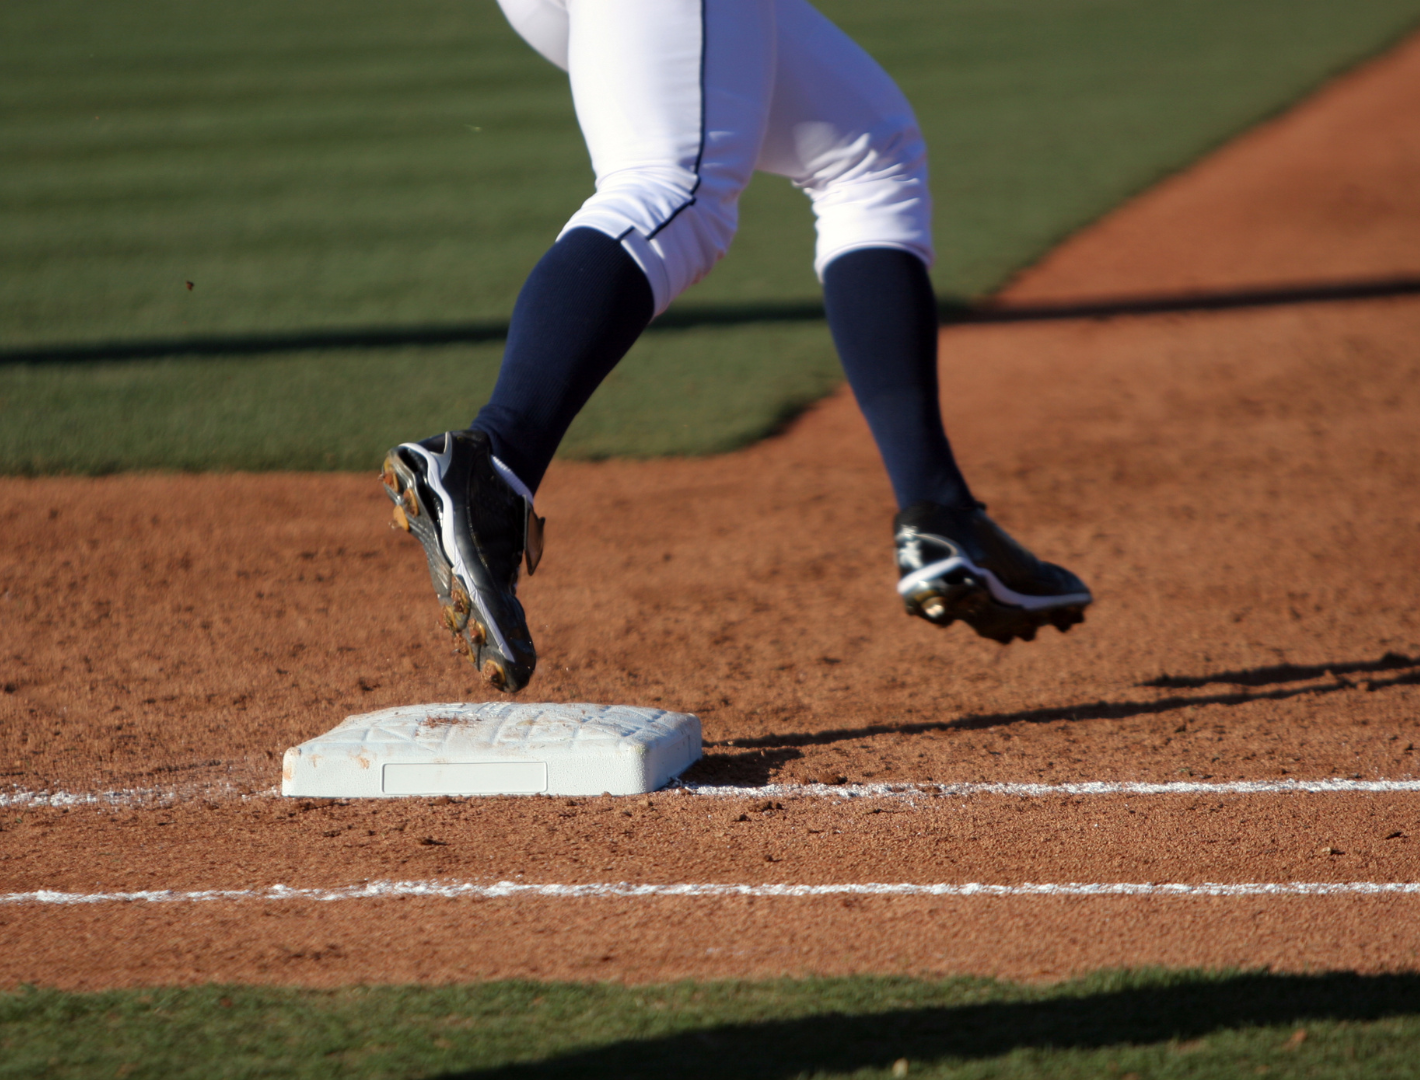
[[1238, 488]]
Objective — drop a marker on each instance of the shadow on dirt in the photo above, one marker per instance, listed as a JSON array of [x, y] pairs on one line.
[[1118, 710], [748, 768], [1284, 673], [1189, 1009]]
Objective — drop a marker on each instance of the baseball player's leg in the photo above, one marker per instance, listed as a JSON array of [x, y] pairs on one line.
[[883, 317], [672, 96], [580, 310], [841, 130]]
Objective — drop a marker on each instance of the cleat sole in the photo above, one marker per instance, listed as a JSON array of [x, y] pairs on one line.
[[457, 610], [945, 601]]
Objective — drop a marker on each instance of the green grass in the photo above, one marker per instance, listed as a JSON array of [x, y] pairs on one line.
[[1152, 1024], [314, 163], [343, 409], [309, 164]]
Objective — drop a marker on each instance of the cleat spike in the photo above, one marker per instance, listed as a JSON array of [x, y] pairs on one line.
[[400, 520], [493, 674], [459, 595]]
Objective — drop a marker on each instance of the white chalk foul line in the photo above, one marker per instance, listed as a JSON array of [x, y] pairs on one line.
[[600, 890], [1041, 791], [20, 799]]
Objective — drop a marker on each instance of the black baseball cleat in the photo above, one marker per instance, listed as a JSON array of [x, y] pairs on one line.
[[476, 522], [959, 564]]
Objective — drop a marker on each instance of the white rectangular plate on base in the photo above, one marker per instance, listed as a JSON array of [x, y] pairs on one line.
[[494, 748]]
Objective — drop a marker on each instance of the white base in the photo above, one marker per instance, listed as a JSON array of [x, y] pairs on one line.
[[494, 748]]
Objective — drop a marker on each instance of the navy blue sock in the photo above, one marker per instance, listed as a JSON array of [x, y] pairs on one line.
[[883, 316], [582, 307]]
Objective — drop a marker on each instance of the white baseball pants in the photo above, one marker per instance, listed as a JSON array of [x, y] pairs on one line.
[[681, 100]]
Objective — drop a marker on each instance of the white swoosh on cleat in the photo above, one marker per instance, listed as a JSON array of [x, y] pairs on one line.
[[998, 590], [440, 462]]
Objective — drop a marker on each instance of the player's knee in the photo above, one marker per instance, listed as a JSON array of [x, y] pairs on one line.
[[689, 245], [875, 194], [675, 228]]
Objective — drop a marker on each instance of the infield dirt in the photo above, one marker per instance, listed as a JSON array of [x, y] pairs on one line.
[[1238, 488]]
